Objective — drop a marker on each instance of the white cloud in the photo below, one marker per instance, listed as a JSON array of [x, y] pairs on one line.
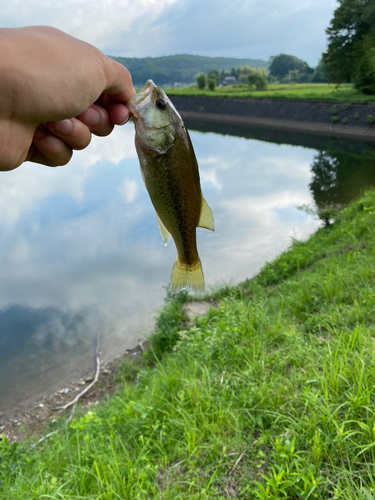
[[129, 190], [22, 188], [140, 28], [280, 166], [211, 177], [264, 206]]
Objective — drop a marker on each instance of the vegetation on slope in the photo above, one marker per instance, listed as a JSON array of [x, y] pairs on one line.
[[270, 396], [317, 91]]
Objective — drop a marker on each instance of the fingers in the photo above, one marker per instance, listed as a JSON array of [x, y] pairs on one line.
[[48, 149], [72, 131], [96, 118], [53, 142], [118, 113], [103, 115]]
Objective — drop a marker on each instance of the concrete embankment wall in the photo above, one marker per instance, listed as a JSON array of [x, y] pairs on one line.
[[333, 118]]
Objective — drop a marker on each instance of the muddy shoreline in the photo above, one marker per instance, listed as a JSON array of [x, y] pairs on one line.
[[40, 417], [329, 118], [34, 419]]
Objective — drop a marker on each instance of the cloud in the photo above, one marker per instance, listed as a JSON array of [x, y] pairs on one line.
[[129, 190], [95, 21], [23, 187], [140, 28]]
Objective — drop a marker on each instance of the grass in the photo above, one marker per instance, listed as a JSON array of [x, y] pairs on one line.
[[271, 396], [319, 91]]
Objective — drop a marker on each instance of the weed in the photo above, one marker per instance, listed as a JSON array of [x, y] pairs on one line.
[[270, 396], [333, 110], [168, 325]]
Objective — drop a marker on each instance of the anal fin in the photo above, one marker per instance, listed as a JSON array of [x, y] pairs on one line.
[[206, 219], [165, 234]]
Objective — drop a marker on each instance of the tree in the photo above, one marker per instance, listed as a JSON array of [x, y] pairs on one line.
[[214, 74], [350, 56], [211, 83], [320, 76], [258, 78], [201, 81], [281, 65]]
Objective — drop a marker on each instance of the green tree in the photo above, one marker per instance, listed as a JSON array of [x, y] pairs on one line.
[[350, 56], [243, 73], [320, 76], [283, 63], [211, 83], [201, 81], [258, 78], [234, 72], [214, 74]]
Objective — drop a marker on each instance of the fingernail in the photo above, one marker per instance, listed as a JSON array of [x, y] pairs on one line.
[[125, 121], [40, 132], [63, 127]]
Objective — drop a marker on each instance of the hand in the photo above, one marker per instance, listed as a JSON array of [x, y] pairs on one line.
[[55, 91]]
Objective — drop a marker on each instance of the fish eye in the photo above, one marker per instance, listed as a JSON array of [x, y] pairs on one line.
[[160, 104]]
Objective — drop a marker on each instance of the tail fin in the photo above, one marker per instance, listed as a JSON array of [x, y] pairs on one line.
[[187, 276]]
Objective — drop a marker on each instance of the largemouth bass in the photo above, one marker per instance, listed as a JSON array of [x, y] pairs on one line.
[[170, 172]]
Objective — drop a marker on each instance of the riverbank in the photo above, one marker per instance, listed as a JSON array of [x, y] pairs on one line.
[[310, 91], [269, 396], [345, 119]]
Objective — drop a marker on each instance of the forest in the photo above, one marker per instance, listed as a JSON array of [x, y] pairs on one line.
[[183, 68]]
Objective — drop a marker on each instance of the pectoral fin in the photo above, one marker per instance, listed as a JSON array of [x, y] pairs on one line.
[[206, 218], [163, 231]]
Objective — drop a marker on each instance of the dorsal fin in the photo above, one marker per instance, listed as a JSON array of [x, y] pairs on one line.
[[163, 231], [206, 219]]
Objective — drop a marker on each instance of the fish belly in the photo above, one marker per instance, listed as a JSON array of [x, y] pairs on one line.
[[178, 205]]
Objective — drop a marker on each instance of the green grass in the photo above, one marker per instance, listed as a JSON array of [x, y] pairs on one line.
[[319, 91], [271, 396]]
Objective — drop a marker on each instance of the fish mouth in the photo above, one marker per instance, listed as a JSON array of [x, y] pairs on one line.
[[149, 85], [137, 102]]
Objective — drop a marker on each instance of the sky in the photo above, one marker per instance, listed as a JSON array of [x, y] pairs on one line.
[[255, 29]]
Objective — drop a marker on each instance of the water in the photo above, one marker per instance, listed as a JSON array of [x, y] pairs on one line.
[[82, 255]]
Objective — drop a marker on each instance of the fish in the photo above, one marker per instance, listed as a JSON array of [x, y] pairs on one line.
[[170, 173]]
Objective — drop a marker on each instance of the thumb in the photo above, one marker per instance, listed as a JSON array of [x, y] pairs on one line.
[[119, 83]]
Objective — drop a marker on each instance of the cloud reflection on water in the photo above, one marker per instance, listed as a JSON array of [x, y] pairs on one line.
[[82, 241]]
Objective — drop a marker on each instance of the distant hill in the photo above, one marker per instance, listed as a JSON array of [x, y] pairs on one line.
[[180, 68]]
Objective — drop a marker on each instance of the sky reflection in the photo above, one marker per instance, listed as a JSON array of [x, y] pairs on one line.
[[82, 254]]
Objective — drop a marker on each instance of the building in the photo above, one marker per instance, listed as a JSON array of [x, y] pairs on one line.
[[229, 80]]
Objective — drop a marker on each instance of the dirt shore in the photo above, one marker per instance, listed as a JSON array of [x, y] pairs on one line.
[[338, 119], [45, 412], [40, 417]]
